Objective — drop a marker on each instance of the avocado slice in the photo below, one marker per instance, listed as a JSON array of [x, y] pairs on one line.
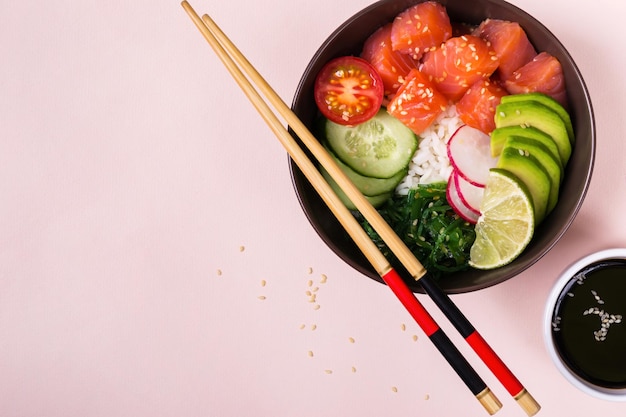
[[537, 115], [548, 101], [499, 137], [551, 164], [527, 168]]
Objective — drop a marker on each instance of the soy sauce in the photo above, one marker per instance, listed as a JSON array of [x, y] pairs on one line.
[[589, 324]]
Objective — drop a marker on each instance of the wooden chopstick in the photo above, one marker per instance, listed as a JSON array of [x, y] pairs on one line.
[[469, 376], [227, 52]]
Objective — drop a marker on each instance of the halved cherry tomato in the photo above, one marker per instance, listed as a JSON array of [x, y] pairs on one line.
[[348, 90]]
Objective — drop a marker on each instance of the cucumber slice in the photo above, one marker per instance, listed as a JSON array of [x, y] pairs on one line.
[[370, 186], [380, 147], [376, 200]]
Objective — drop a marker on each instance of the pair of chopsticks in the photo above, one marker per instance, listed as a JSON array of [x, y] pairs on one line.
[[237, 64]]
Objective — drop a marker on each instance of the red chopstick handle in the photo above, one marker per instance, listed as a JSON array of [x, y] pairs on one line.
[[495, 364], [412, 304]]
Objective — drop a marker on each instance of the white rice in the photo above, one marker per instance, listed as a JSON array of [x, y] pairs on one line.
[[430, 162]]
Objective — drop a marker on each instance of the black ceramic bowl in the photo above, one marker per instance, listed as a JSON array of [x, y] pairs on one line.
[[348, 40]]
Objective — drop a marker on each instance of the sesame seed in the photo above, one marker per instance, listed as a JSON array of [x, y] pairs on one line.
[[263, 283], [313, 327], [324, 278], [310, 270], [242, 248], [261, 297], [353, 369], [317, 307], [219, 272], [310, 353], [394, 389], [403, 327], [328, 371], [351, 339]]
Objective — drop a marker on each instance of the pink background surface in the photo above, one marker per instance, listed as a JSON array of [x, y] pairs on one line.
[[144, 203]]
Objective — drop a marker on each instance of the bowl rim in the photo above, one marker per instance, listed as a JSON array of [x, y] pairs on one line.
[[610, 394]]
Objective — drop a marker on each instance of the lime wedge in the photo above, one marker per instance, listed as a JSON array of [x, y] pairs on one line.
[[506, 223]]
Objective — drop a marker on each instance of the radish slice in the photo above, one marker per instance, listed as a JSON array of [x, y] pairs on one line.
[[469, 150], [457, 204], [470, 194]]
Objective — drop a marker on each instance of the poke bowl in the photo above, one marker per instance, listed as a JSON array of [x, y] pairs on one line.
[[467, 20]]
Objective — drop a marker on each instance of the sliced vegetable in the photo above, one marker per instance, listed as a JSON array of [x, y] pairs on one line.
[[534, 114], [380, 147], [348, 90], [376, 200], [370, 186], [529, 171], [500, 135], [472, 195], [469, 151], [550, 163], [458, 204], [506, 224], [393, 66], [547, 101], [419, 28], [458, 63], [417, 103]]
